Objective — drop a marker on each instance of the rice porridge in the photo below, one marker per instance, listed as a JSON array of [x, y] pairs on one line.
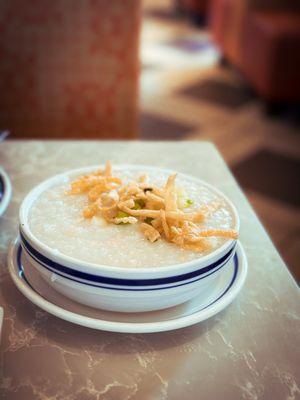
[[56, 219]]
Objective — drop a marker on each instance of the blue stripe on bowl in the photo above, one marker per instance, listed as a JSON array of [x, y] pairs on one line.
[[127, 288], [236, 267], [78, 275], [123, 289], [79, 280]]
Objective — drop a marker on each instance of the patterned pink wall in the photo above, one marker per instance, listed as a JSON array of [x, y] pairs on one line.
[[69, 68]]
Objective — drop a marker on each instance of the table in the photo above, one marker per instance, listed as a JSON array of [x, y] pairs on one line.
[[248, 351]]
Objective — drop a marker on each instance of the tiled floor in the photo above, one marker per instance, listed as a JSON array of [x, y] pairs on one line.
[[272, 174], [219, 93], [156, 127], [185, 94]]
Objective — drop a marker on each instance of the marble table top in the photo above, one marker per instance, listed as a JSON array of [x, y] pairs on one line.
[[248, 351]]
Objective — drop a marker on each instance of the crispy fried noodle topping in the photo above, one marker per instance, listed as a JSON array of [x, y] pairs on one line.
[[159, 211]]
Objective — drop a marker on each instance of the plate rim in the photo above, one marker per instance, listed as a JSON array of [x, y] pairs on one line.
[[7, 191], [129, 327]]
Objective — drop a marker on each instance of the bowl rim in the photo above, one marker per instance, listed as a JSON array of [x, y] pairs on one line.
[[83, 265], [7, 191]]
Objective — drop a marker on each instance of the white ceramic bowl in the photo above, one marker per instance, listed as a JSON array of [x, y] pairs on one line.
[[116, 288]]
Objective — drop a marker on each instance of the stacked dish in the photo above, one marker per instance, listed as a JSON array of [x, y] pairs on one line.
[[112, 266]]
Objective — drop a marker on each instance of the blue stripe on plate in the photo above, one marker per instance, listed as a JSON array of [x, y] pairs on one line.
[[58, 268], [236, 268]]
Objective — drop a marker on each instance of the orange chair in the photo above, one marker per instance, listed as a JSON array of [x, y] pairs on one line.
[[227, 19], [271, 55], [261, 38], [69, 69]]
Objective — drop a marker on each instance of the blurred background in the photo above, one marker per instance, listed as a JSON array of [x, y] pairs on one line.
[[227, 71]]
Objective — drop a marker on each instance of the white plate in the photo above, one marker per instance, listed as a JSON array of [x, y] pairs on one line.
[[5, 191], [200, 308]]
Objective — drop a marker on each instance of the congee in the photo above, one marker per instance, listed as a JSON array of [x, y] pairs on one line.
[[132, 218]]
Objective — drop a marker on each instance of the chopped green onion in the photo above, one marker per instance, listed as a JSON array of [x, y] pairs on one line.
[[122, 214], [138, 204], [189, 202]]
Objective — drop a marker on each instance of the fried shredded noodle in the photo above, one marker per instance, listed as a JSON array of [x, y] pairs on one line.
[[158, 210]]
